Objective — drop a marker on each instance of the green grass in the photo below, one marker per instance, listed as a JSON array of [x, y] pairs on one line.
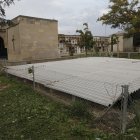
[[28, 115]]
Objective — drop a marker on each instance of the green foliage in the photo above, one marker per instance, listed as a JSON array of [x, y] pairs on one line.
[[30, 70], [137, 118], [29, 115], [114, 40], [78, 130], [80, 109], [86, 38], [123, 14], [26, 114], [1, 69], [134, 130]]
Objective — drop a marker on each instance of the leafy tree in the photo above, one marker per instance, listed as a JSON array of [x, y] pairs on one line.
[[123, 14], [114, 40], [86, 38]]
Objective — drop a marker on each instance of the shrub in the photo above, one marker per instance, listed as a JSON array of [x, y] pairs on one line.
[[78, 130], [80, 109]]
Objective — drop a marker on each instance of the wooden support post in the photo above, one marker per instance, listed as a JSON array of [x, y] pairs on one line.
[[33, 72], [5, 67], [73, 98], [129, 55], [100, 54], [125, 94], [51, 90], [118, 54]]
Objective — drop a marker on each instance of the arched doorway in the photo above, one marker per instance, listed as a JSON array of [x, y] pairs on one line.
[[3, 50]]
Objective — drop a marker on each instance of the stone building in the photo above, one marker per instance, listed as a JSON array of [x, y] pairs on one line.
[[101, 43], [123, 44], [131, 44], [68, 42], [29, 39]]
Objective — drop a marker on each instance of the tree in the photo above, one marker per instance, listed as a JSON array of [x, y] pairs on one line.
[[3, 4], [114, 40], [86, 38], [123, 14]]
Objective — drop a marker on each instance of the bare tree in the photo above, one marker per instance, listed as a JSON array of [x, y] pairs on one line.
[[3, 4]]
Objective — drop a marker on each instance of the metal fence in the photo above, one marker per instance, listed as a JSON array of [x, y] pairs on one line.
[[129, 55], [115, 97]]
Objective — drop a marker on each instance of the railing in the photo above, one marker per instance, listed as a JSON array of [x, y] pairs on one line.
[[129, 55]]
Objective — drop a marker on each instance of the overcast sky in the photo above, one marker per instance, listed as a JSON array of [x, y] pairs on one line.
[[71, 14]]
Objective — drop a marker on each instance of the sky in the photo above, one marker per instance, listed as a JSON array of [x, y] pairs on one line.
[[71, 14]]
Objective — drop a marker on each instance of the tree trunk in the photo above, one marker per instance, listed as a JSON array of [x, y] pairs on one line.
[[86, 51]]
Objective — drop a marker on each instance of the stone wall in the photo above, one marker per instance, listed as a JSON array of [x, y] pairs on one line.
[[128, 44], [14, 48], [34, 39], [39, 39], [124, 45]]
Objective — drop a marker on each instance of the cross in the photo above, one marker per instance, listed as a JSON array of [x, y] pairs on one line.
[[13, 40]]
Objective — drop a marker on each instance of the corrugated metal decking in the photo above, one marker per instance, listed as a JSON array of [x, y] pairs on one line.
[[96, 79]]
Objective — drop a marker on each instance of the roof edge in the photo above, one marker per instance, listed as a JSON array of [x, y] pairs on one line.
[[34, 18]]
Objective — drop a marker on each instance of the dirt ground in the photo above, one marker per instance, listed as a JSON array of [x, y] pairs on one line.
[[3, 86]]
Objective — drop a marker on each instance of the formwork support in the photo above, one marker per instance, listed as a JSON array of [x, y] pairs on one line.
[[33, 72], [73, 98], [125, 95]]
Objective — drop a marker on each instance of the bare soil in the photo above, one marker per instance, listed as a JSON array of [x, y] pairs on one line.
[[3, 86]]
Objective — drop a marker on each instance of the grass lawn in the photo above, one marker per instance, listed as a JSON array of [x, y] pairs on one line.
[[28, 115]]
